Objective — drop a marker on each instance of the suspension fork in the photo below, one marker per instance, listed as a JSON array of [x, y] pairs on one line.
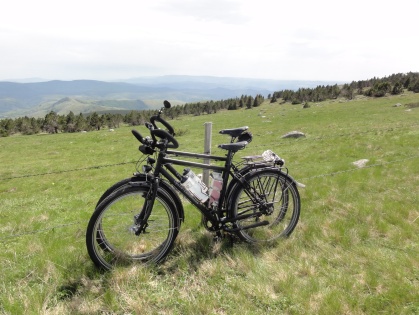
[[141, 219]]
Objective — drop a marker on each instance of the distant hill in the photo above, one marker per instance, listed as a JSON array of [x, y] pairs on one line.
[[230, 83], [36, 99], [67, 104], [85, 95]]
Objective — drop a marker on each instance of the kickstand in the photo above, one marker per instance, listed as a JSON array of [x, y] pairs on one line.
[[231, 239], [217, 237]]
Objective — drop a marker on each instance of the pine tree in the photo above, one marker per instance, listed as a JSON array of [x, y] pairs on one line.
[[95, 121], [249, 102], [80, 123], [51, 122]]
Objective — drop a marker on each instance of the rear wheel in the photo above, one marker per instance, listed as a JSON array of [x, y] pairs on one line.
[[111, 240], [271, 196]]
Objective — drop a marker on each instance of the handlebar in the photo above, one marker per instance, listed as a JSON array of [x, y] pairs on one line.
[[166, 138], [158, 118], [163, 122], [138, 136]]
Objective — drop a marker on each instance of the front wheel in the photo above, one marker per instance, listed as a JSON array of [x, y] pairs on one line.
[[118, 244], [121, 184], [266, 195]]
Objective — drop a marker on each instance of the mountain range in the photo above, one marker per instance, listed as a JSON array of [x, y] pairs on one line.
[[36, 99]]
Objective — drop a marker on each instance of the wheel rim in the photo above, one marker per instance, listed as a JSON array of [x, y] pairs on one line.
[[114, 241], [280, 195]]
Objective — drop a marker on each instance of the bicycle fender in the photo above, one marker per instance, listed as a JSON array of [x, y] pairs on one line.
[[144, 180], [288, 176]]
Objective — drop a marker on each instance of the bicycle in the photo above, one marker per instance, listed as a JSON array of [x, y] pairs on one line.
[[139, 218]]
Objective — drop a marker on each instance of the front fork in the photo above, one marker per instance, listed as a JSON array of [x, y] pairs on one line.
[[141, 219]]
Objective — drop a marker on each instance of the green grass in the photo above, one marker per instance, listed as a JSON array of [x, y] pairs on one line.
[[354, 251]]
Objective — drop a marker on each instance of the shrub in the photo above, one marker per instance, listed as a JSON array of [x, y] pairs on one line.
[[414, 87], [397, 89], [412, 105], [181, 132]]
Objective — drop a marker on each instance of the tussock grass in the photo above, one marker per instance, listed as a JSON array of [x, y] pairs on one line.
[[354, 250]]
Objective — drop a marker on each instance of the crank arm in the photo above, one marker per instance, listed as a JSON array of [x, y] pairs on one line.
[[251, 226]]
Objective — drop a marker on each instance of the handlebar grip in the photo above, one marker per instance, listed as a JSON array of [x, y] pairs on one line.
[[163, 134], [138, 135], [163, 122]]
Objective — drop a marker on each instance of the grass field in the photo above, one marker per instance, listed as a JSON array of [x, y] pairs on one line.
[[354, 251]]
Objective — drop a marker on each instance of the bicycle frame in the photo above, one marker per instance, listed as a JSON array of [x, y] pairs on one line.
[[216, 216], [164, 167]]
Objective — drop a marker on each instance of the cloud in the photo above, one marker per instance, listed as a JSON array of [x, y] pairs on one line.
[[225, 11], [301, 39]]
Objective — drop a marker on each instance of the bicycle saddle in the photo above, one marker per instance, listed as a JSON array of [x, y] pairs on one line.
[[236, 146], [235, 132]]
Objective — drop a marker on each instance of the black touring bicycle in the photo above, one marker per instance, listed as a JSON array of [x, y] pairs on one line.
[[138, 219]]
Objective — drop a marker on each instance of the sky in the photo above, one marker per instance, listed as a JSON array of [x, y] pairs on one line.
[[268, 39]]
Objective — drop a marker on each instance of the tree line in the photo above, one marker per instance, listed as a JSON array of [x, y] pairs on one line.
[[55, 123], [375, 87]]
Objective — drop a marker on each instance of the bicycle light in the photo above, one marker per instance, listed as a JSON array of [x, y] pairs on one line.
[[146, 169], [145, 149]]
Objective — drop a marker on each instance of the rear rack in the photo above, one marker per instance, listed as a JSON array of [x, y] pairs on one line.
[[250, 159], [266, 157]]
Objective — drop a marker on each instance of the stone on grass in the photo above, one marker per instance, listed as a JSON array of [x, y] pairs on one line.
[[294, 134], [360, 163]]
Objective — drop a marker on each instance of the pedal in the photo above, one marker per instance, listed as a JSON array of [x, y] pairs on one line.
[[251, 226]]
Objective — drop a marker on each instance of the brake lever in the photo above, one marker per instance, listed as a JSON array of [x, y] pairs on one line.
[[149, 125]]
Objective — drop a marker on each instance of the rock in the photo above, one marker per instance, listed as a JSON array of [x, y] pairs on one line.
[[397, 105], [361, 163], [294, 134]]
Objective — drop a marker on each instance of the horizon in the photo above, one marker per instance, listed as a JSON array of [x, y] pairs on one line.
[[193, 77]]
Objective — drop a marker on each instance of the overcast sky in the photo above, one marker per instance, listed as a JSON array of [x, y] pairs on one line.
[[270, 39]]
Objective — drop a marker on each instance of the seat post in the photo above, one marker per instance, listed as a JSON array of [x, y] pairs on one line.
[[226, 174]]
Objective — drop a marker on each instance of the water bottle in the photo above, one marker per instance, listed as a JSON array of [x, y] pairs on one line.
[[216, 185], [194, 185]]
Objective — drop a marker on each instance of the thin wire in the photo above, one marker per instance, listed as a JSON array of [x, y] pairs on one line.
[[38, 231], [302, 179], [67, 171]]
